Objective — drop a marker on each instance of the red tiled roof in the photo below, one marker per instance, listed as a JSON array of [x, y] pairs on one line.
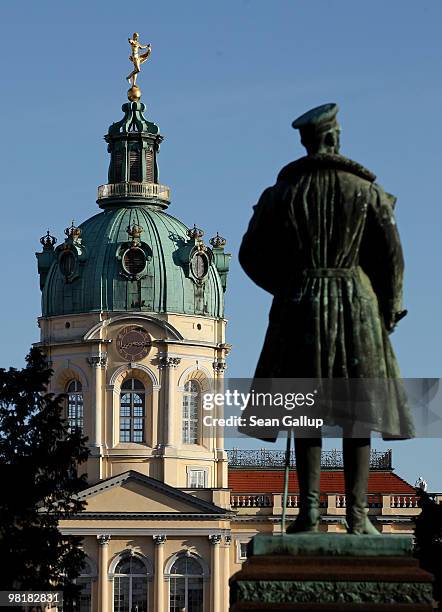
[[268, 481]]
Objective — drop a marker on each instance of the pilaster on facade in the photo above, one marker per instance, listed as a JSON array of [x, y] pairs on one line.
[[159, 600], [103, 561], [227, 572], [216, 578], [169, 364], [98, 363]]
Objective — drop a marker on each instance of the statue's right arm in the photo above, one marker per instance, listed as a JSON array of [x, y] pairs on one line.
[[254, 254], [382, 257]]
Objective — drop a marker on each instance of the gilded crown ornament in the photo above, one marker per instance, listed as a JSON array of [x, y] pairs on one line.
[[48, 241], [137, 58], [195, 232], [134, 232], [73, 233], [218, 242]]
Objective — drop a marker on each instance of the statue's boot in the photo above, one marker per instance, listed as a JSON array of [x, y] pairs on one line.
[[356, 452], [308, 469]]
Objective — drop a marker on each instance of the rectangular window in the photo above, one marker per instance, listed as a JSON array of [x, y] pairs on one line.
[[242, 550], [197, 478]]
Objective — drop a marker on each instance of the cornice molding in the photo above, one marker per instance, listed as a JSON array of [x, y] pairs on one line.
[[143, 531], [151, 483], [164, 516]]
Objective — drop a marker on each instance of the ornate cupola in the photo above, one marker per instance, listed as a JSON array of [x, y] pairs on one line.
[[133, 256], [133, 319], [133, 144]]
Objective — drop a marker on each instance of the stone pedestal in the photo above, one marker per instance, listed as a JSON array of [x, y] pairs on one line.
[[324, 572]]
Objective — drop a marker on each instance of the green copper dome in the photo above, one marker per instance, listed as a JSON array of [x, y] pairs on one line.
[[133, 256]]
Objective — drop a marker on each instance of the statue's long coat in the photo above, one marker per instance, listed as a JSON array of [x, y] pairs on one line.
[[326, 212]]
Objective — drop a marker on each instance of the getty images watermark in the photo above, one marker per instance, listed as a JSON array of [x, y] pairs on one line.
[[255, 401], [332, 407]]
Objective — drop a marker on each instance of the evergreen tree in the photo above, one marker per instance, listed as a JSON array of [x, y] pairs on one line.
[[38, 458], [428, 540]]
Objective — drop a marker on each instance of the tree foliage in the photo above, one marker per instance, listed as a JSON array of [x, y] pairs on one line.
[[428, 535], [39, 457]]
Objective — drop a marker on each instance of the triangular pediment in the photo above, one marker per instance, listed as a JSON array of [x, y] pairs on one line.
[[133, 492]]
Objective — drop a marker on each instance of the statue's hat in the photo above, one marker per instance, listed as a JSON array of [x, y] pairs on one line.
[[317, 120]]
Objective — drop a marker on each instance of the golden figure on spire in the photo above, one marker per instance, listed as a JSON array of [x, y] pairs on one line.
[[134, 93]]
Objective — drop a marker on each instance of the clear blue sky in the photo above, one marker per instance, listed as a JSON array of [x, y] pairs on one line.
[[224, 82]]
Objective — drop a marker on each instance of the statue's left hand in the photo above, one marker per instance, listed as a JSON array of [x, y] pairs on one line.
[[393, 319], [390, 323]]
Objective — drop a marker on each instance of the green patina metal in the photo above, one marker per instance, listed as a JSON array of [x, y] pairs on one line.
[[133, 256], [101, 283], [332, 544], [336, 592], [133, 144]]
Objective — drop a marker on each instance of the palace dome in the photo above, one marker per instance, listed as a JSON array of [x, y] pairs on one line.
[[133, 256]]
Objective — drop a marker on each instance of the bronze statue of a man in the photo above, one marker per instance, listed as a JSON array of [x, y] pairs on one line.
[[323, 240]]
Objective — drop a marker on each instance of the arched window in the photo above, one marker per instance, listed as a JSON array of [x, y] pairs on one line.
[[191, 403], [75, 412], [132, 411], [130, 585], [186, 585]]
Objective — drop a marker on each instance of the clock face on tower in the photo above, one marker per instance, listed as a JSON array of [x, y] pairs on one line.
[[133, 343]]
